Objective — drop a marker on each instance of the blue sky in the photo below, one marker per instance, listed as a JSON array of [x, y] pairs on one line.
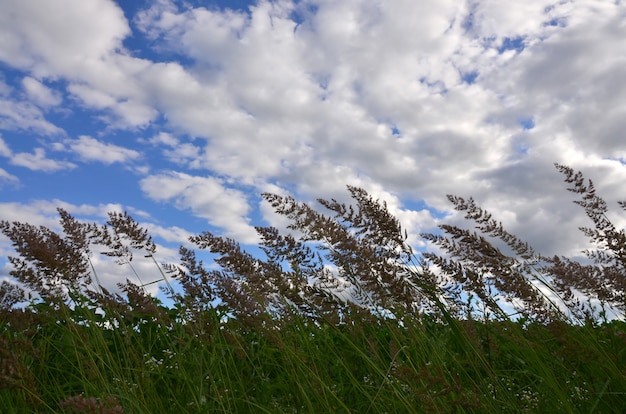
[[182, 113]]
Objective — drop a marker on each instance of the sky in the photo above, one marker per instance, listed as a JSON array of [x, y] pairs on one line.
[[183, 112]]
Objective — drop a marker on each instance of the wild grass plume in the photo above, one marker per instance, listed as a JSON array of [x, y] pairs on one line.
[[339, 315]]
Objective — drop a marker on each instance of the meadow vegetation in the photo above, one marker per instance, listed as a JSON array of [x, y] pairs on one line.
[[340, 315]]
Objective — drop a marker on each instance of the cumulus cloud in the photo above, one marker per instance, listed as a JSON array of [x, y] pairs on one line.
[[37, 161], [25, 116], [90, 149], [40, 93], [23, 112], [5, 151], [357, 91], [411, 100], [206, 197], [81, 43], [6, 178], [61, 37], [92, 97]]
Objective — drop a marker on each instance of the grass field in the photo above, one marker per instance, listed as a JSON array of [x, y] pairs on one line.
[[149, 359]]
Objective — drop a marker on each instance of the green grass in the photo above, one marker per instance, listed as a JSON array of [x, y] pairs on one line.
[[151, 363]]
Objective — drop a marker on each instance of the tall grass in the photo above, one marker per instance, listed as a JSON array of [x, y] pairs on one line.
[[366, 366], [340, 317]]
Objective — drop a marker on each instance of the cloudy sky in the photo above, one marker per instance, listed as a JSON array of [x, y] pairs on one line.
[[183, 112]]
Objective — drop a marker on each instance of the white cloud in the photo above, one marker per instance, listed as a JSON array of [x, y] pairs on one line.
[[23, 115], [22, 111], [206, 197], [5, 151], [87, 148], [62, 36], [92, 97], [40, 93], [90, 149], [492, 18], [172, 234], [6, 178], [37, 161], [165, 139], [80, 42], [417, 98], [5, 89], [322, 99]]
